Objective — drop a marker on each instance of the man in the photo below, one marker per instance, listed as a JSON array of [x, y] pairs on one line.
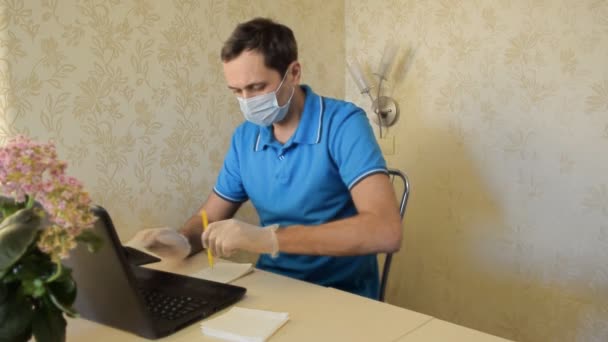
[[310, 166]]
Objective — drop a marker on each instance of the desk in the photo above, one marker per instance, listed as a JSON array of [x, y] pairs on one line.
[[316, 313], [438, 330]]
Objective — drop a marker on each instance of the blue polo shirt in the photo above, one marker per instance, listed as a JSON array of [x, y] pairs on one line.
[[307, 181]]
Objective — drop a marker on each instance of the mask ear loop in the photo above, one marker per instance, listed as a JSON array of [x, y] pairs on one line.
[[293, 90], [282, 80]]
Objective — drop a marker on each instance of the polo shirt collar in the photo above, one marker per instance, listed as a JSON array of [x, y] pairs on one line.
[[309, 127]]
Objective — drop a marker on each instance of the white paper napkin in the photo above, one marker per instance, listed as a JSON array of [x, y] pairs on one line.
[[245, 325]]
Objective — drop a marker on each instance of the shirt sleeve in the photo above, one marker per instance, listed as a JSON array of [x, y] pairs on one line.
[[354, 148], [229, 184]]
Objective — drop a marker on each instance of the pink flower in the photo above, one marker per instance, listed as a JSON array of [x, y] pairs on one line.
[[32, 170]]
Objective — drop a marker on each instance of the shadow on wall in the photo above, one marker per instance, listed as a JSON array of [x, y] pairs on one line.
[[452, 217]]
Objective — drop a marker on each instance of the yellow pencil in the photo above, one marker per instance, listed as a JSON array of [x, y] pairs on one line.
[[205, 223]]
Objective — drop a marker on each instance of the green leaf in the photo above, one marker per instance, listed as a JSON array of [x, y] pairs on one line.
[[48, 324], [62, 292], [23, 337], [34, 264], [34, 287], [15, 314], [89, 238], [31, 271], [68, 310], [17, 232], [64, 287], [8, 206]]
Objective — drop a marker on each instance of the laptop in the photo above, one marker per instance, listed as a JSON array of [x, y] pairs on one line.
[[146, 302], [137, 257]]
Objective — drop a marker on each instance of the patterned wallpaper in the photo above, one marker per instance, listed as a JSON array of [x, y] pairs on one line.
[[134, 95], [504, 134]]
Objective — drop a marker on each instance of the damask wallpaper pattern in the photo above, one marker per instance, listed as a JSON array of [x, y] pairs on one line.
[[504, 134], [133, 93]]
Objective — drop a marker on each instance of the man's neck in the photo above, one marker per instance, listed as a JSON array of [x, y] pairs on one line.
[[286, 128]]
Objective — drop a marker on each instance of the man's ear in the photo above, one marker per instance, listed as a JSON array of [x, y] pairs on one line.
[[296, 72]]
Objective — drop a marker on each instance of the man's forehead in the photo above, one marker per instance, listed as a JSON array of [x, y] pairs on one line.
[[248, 60], [247, 68]]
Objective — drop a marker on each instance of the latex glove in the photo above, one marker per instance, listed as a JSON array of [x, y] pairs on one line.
[[224, 237], [165, 242]]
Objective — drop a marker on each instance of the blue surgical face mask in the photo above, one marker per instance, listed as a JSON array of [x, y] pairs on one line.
[[264, 110]]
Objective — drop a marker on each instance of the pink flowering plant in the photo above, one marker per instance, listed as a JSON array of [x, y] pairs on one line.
[[44, 215]]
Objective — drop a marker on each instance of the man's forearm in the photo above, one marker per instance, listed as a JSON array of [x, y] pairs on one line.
[[362, 234], [375, 229]]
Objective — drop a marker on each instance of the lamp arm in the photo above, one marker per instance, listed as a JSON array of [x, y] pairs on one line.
[[378, 110]]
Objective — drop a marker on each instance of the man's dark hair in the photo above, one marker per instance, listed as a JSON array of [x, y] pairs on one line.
[[274, 41]]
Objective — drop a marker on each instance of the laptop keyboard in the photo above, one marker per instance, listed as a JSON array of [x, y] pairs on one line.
[[170, 307]]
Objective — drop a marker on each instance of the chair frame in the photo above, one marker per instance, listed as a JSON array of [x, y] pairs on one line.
[[394, 173]]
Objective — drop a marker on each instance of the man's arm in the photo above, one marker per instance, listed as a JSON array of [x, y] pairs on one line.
[[217, 209], [375, 229]]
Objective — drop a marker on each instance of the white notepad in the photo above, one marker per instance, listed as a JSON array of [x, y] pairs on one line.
[[245, 325], [224, 272]]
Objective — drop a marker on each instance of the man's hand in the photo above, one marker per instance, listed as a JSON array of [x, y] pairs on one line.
[[165, 242], [224, 237]]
